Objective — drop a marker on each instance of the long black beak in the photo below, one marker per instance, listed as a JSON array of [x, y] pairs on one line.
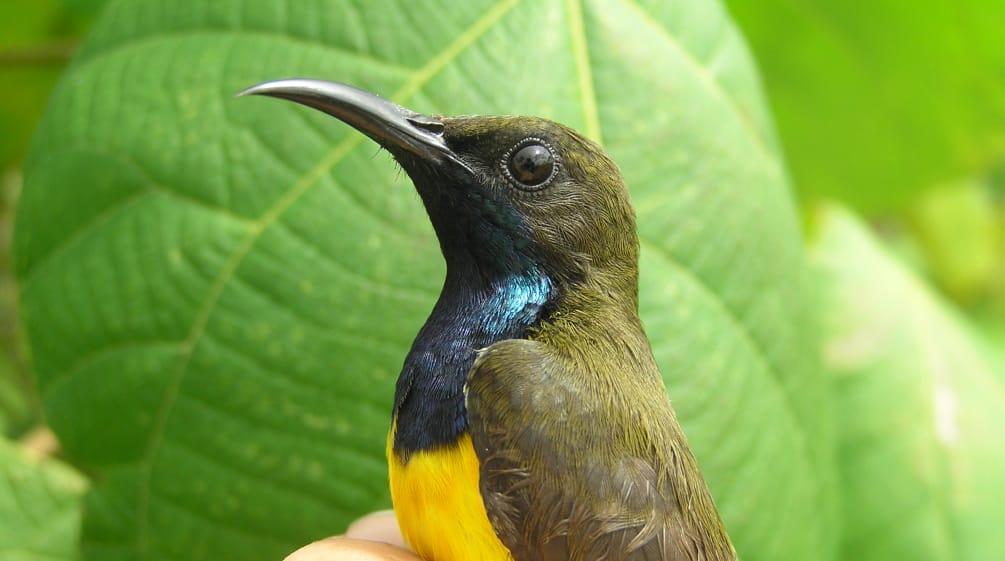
[[392, 126]]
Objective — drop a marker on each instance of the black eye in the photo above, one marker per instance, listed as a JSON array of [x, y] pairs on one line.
[[530, 164]]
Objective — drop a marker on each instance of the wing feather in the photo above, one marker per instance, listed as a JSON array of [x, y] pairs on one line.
[[574, 469]]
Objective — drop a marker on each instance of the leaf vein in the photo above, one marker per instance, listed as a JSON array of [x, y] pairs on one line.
[[414, 293], [228, 470], [54, 383], [747, 336], [152, 187], [221, 524], [705, 78], [581, 56]]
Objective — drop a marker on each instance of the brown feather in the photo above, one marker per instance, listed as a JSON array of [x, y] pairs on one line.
[[574, 465]]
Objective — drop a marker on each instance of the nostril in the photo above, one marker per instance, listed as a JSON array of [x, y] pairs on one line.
[[427, 124]]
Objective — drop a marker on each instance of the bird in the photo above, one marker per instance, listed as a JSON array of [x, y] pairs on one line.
[[530, 420]]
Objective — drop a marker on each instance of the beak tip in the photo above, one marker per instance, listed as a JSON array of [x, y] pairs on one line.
[[277, 88], [257, 89]]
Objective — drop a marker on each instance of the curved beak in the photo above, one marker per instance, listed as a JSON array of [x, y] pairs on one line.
[[392, 126]]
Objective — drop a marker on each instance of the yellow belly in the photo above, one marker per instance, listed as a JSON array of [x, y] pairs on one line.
[[439, 506]]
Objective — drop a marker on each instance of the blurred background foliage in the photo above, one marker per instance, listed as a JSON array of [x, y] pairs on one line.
[[893, 109], [896, 109]]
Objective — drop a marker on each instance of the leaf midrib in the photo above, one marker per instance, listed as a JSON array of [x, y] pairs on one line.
[[584, 73], [707, 79]]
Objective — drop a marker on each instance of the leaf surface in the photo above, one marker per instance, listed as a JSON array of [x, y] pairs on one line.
[[40, 503]]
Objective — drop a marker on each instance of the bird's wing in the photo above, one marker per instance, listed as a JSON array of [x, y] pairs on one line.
[[566, 476]]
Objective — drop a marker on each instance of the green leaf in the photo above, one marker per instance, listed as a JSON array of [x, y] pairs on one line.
[[875, 102], [40, 504], [219, 292], [920, 408]]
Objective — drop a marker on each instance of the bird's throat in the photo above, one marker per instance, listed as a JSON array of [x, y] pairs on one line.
[[429, 400]]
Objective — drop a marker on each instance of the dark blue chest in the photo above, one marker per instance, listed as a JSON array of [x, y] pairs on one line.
[[429, 401]]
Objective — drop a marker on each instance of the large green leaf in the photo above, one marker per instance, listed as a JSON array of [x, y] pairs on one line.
[[40, 503], [219, 292], [920, 409], [877, 100]]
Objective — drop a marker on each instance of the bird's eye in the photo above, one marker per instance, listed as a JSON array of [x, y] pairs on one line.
[[531, 164]]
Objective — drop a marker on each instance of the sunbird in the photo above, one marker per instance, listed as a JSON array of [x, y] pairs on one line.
[[530, 420]]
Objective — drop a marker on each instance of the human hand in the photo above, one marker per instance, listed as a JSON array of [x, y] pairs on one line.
[[374, 537]]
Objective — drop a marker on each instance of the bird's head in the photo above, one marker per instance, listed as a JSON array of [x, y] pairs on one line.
[[506, 195]]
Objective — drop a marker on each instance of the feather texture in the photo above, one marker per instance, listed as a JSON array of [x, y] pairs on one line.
[[574, 468]]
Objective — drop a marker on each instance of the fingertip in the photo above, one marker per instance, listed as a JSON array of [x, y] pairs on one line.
[[379, 526], [349, 549]]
